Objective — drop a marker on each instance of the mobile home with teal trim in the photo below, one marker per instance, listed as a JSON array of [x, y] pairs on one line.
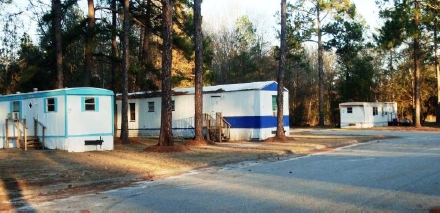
[[72, 119], [248, 108]]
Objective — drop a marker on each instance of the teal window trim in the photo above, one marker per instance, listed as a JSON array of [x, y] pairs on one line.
[[51, 105], [83, 104], [88, 106], [45, 105], [97, 104], [16, 110]]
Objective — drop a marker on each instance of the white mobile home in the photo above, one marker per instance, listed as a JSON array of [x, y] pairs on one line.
[[367, 114], [248, 110], [72, 119]]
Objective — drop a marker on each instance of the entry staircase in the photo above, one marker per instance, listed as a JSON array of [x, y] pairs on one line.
[[216, 129], [20, 134]]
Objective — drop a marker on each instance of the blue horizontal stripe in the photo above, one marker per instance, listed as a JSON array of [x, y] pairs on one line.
[[247, 122], [255, 122]]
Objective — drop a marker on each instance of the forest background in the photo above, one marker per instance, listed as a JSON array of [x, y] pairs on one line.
[[333, 56]]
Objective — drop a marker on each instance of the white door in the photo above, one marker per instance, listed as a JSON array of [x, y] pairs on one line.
[[216, 106], [30, 112]]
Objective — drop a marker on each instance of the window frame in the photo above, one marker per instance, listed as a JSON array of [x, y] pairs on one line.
[[274, 105], [375, 111], [51, 107], [89, 104], [16, 105], [150, 105], [132, 109]]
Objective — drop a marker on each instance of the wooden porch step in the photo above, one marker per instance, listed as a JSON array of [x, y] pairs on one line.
[[32, 143]]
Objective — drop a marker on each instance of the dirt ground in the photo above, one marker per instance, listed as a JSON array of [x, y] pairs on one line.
[[28, 177]]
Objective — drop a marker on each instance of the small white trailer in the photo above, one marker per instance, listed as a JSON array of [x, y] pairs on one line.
[[242, 111], [367, 114], [72, 119]]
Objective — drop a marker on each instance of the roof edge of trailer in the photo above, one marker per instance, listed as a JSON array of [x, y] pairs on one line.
[[56, 92], [365, 103], [263, 85]]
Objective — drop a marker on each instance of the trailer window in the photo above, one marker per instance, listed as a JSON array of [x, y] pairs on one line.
[[173, 106], [132, 111], [50, 105], [150, 106], [16, 106], [375, 111], [89, 104], [274, 105], [349, 109]]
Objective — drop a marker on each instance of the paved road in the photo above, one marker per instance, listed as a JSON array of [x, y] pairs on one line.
[[390, 175]]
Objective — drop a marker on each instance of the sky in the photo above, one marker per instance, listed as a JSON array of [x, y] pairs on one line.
[[218, 11], [214, 11]]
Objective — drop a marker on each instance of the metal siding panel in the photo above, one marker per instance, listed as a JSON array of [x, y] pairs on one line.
[[84, 123]]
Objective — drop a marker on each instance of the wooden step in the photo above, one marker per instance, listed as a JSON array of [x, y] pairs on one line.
[[32, 143]]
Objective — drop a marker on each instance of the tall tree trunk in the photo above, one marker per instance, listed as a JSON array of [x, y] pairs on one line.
[[320, 67], [125, 67], [281, 71], [56, 4], [198, 38], [88, 61], [114, 63], [166, 133], [437, 70], [392, 74], [417, 66], [147, 32]]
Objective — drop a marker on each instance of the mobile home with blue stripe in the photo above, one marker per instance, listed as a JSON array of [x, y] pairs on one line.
[[248, 109], [72, 119]]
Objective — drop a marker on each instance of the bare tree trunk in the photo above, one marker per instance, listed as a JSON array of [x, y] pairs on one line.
[[437, 70], [88, 61], [166, 133], [198, 38], [113, 61], [320, 68], [417, 68], [125, 67], [281, 71], [114, 47], [56, 4]]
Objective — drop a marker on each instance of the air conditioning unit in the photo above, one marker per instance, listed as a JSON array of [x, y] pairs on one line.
[[14, 115]]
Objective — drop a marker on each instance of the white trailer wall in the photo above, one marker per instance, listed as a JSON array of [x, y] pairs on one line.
[[67, 124], [365, 114], [248, 109], [84, 124]]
